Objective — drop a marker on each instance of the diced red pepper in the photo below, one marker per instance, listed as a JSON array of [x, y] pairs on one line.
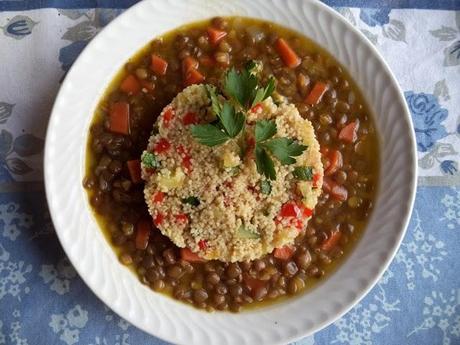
[[189, 63], [162, 145], [287, 54], [332, 241], [315, 95], [193, 76], [290, 209], [159, 65], [187, 255], [203, 244], [190, 118], [316, 178], [306, 212], [187, 164], [257, 108], [159, 218], [143, 229], [119, 118], [181, 218], [181, 150], [283, 253], [130, 85], [349, 133], [134, 168], [335, 160], [158, 197], [215, 36], [168, 116]]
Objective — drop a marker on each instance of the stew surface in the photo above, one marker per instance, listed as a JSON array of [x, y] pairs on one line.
[[308, 77]]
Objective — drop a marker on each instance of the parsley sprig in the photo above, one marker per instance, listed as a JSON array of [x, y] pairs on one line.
[[243, 92], [284, 149]]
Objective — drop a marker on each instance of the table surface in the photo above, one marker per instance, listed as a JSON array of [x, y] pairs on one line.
[[43, 301]]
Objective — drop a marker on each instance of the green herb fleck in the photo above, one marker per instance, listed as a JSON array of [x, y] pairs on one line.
[[265, 187], [150, 160], [303, 173], [191, 200], [244, 232]]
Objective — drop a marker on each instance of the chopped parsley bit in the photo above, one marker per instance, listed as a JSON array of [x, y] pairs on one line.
[[265, 187], [150, 160], [191, 200], [244, 232], [303, 173]]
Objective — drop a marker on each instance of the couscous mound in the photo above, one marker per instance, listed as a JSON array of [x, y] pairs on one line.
[[212, 200]]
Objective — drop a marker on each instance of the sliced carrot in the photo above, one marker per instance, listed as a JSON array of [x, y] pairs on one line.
[[283, 253], [134, 167], [130, 85], [143, 229], [119, 118], [287, 54], [334, 189], [215, 36], [335, 162], [159, 65], [349, 133], [315, 95], [332, 241], [207, 61], [187, 255], [193, 76], [252, 283], [189, 63]]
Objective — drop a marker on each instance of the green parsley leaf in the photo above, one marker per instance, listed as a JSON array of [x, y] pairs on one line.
[[303, 173], [209, 135], [265, 187], [216, 105], [264, 163], [284, 149], [264, 130], [232, 122], [241, 86], [264, 93], [150, 160], [244, 232], [191, 200]]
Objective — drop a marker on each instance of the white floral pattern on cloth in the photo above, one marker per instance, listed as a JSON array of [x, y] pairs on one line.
[[421, 252], [442, 311], [13, 276], [13, 221], [365, 320], [451, 202], [58, 276], [68, 325]]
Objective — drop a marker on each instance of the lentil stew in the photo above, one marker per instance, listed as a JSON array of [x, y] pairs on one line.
[[306, 76]]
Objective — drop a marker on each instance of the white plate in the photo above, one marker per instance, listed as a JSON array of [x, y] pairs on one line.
[[163, 317]]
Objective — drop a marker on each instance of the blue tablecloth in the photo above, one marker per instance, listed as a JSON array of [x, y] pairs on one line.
[[43, 301]]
